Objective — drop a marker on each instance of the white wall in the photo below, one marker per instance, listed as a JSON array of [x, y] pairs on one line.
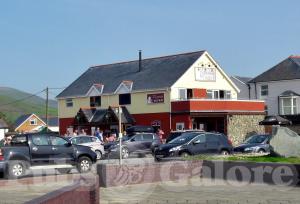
[[275, 88], [2, 133], [188, 80]]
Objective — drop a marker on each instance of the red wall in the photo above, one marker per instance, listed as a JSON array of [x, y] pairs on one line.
[[181, 118], [64, 123], [148, 118], [215, 105], [199, 93]]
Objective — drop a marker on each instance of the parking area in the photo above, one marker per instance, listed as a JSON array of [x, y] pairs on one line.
[[202, 191]]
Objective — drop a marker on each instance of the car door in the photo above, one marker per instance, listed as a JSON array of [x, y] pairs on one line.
[[213, 143], [40, 149], [135, 143], [62, 150], [147, 141], [197, 145]]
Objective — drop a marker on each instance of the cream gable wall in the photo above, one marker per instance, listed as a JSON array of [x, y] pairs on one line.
[[188, 80], [138, 104]]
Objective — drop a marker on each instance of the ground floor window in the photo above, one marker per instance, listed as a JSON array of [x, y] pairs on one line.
[[180, 126], [288, 105]]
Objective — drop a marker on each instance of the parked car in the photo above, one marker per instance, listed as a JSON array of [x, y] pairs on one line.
[[139, 143], [193, 143], [41, 151], [90, 141], [255, 144], [178, 133], [139, 129]]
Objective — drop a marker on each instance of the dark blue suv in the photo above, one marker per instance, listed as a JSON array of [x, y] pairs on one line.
[[194, 143]]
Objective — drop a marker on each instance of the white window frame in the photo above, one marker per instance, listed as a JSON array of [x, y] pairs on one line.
[[33, 121], [180, 126], [69, 103], [293, 105], [264, 88], [185, 93]]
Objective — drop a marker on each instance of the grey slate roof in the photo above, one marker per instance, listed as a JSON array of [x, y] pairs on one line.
[[288, 69], [289, 93], [21, 119], [241, 83], [3, 124], [156, 73]]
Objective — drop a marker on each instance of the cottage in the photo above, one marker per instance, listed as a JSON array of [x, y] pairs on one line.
[[183, 91], [33, 123]]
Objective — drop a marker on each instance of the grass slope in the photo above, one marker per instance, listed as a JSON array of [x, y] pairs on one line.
[[34, 104]]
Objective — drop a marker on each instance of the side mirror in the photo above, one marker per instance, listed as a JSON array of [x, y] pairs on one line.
[[132, 140]]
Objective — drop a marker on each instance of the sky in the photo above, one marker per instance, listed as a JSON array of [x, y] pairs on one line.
[[52, 42]]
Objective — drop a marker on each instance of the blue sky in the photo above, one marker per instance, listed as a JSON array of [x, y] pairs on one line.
[[52, 42]]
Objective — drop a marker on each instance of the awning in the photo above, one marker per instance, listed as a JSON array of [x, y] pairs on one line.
[[275, 120]]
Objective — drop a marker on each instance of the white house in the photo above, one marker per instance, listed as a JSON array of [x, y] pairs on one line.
[[280, 88], [3, 128]]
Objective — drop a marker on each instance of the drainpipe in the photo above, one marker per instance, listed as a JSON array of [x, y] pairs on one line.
[[249, 91], [255, 90]]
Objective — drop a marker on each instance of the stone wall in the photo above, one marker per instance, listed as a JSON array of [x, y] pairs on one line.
[[241, 126]]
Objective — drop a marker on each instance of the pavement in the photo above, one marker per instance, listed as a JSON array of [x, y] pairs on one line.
[[21, 193], [202, 191]]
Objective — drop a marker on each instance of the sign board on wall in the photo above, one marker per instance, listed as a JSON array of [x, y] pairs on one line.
[[205, 74], [155, 98]]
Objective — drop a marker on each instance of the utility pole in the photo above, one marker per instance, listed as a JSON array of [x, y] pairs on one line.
[[120, 133], [47, 101]]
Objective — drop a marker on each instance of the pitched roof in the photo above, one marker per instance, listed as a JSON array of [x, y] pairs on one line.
[[244, 80], [156, 73], [21, 119], [288, 69], [3, 124]]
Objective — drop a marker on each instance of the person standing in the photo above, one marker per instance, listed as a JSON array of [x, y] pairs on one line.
[[160, 134], [99, 134]]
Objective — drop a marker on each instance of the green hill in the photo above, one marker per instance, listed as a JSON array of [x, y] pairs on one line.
[[26, 104]]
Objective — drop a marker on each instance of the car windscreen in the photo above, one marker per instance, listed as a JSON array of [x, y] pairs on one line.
[[256, 139], [184, 138]]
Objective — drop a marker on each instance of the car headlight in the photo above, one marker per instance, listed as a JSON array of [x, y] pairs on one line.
[[248, 149], [175, 149]]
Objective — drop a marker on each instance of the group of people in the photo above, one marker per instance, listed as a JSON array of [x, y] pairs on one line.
[[6, 140], [106, 137]]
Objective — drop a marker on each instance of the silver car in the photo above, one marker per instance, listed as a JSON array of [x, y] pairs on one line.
[[90, 141]]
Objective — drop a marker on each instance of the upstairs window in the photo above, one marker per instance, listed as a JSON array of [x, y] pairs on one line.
[[264, 90], [125, 99], [182, 94], [288, 106], [69, 102], [33, 121], [95, 101]]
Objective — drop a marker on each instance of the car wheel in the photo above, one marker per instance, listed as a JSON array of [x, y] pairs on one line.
[[16, 169], [261, 151], [64, 171], [224, 152], [125, 153], [157, 159], [184, 154], [99, 154], [84, 164]]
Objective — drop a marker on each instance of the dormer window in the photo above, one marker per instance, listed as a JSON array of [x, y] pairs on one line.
[[95, 90], [124, 87]]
